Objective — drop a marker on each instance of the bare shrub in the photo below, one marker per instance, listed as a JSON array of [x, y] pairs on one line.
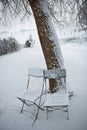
[[8, 45]]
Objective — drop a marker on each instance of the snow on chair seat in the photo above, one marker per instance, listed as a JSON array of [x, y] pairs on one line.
[[30, 98], [28, 95], [57, 101]]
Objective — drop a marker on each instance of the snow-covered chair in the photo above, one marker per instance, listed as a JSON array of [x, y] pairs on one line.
[[33, 94], [59, 99]]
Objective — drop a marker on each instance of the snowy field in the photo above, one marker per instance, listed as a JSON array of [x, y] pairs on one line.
[[13, 80]]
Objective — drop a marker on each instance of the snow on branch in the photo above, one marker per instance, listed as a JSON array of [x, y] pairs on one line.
[[62, 11]]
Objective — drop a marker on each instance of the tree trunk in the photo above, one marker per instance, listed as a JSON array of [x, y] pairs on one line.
[[47, 36]]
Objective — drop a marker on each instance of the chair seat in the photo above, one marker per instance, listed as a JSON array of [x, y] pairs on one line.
[[57, 100], [29, 95]]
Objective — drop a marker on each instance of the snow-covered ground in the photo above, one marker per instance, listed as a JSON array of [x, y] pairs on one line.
[[13, 80]]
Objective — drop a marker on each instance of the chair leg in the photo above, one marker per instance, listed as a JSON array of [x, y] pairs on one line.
[[47, 112], [22, 107], [67, 114]]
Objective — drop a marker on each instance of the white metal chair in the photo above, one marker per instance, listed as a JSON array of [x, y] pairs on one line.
[[32, 96], [59, 99]]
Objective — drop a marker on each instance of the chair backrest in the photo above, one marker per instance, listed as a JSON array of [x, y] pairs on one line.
[[54, 73], [35, 72], [58, 74]]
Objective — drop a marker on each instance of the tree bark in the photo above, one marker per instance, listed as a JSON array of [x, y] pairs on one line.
[[48, 37]]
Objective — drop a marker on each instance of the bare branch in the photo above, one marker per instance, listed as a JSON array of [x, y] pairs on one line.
[[59, 9]]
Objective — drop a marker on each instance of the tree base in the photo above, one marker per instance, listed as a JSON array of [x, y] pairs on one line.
[[53, 86]]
